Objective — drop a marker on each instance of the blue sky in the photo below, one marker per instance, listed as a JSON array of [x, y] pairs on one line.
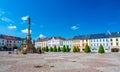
[[64, 18]]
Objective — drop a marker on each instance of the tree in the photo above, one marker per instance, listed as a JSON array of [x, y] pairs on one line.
[[15, 47], [64, 49], [87, 49], [59, 49], [51, 49], [101, 49], [67, 49], [46, 49], [4, 47], [34, 50], [77, 49], [55, 49], [74, 49], [39, 50]]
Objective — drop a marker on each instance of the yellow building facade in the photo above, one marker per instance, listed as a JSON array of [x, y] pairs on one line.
[[80, 43], [115, 44]]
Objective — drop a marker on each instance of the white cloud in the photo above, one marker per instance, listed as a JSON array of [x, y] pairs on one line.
[[5, 19], [25, 31], [74, 27], [42, 36], [24, 18], [12, 26]]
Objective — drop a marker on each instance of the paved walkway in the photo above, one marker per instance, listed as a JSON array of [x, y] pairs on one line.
[[60, 62]]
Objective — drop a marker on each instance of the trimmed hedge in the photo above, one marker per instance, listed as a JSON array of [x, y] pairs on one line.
[[101, 49], [87, 49]]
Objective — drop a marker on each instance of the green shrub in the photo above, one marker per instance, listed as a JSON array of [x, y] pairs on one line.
[[44, 49], [101, 49], [67, 49], [15, 47], [17, 51], [76, 49], [47, 49], [4, 47], [51, 49], [34, 50], [64, 49], [87, 49], [39, 50], [59, 49], [55, 49]]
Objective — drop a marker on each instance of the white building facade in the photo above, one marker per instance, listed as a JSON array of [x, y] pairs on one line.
[[50, 42], [18, 42], [55, 41], [98, 39], [41, 44], [2, 42], [67, 43]]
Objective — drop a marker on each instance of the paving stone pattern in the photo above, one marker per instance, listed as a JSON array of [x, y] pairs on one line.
[[60, 62]]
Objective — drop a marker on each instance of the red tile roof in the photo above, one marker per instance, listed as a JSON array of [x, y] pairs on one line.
[[9, 38]]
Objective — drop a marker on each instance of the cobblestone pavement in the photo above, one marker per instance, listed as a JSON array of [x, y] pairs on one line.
[[60, 62]]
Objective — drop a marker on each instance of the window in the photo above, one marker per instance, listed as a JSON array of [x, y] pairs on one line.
[[111, 44], [103, 44], [100, 40], [103, 40], [117, 44], [82, 40], [116, 39], [82, 44], [110, 39], [106, 40], [97, 44], [91, 44], [2, 43], [106, 44]]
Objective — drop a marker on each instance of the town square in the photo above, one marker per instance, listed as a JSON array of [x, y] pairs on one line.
[[60, 62], [59, 36]]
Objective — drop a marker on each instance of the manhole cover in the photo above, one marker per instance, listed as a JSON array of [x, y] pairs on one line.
[[51, 66], [37, 66]]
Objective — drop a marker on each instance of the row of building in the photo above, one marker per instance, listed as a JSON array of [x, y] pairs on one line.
[[109, 41], [10, 41]]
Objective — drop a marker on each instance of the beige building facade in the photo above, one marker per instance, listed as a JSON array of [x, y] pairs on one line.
[[115, 44], [80, 43]]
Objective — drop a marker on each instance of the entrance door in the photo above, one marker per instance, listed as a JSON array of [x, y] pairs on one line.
[[115, 50]]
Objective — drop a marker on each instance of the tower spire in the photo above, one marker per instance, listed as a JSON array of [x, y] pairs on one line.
[[29, 26]]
